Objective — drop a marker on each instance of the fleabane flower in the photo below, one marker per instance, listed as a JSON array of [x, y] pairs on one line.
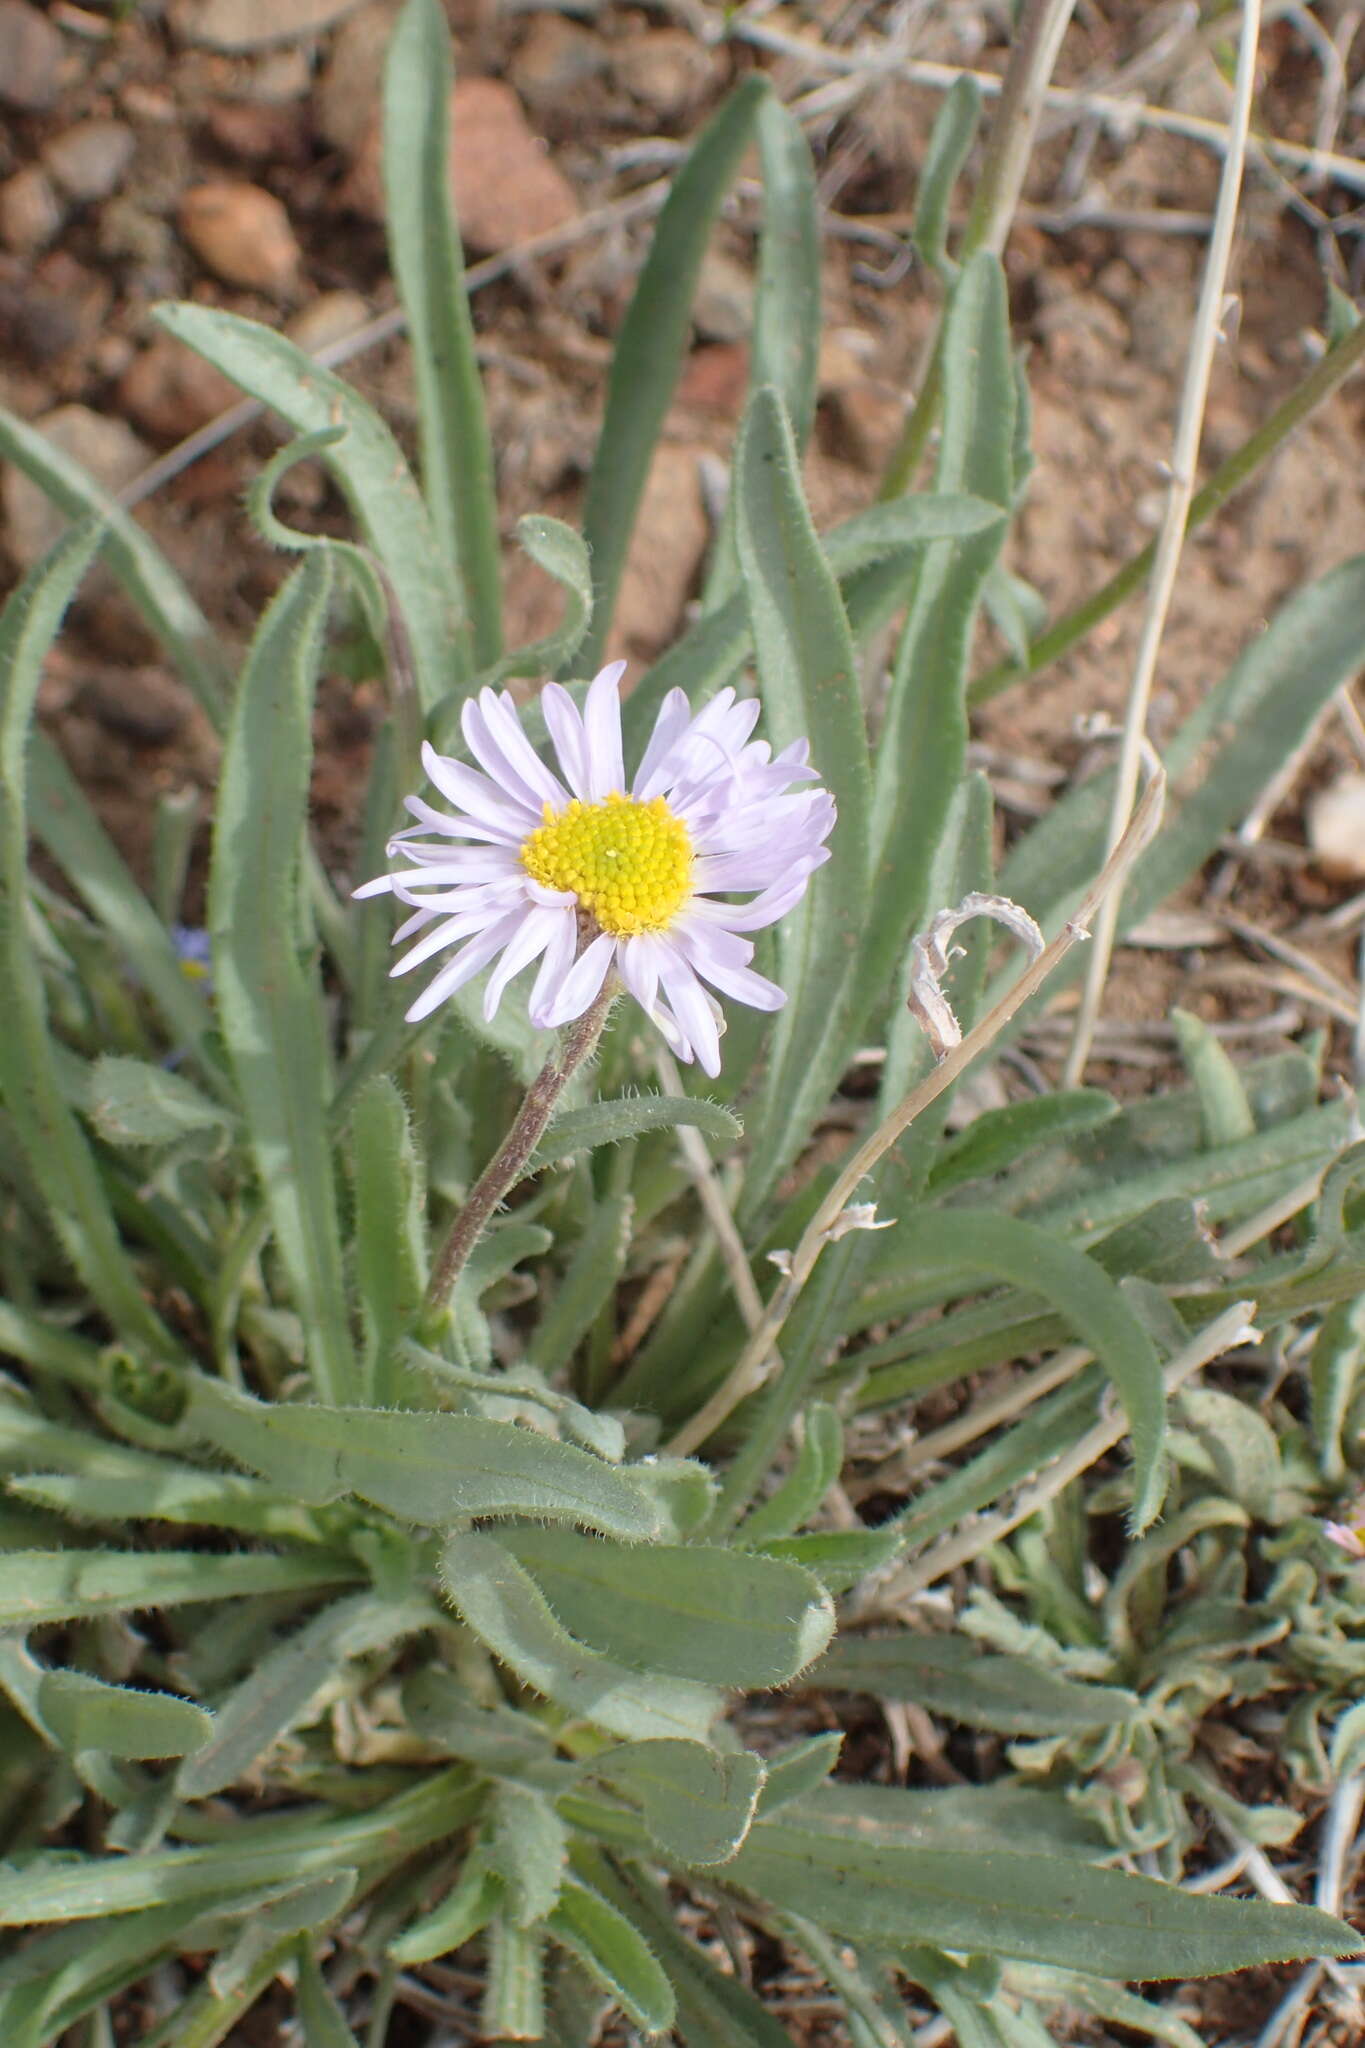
[[587, 876]]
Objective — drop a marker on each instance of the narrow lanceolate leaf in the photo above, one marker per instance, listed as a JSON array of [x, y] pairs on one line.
[[390, 1254], [425, 1468], [586, 1285], [922, 749], [612, 1950], [649, 349], [54, 1146], [992, 1142], [560, 552], [1219, 761], [714, 2009], [270, 1001], [367, 464], [277, 1693], [131, 1102], [1038, 1907], [978, 1242], [714, 1615], [528, 1845], [500, 1601], [424, 247], [949, 147], [323, 2021], [806, 674], [40, 1586], [953, 1677], [85, 1713], [64, 819], [150, 581], [818, 1463], [630, 1116], [697, 1803]]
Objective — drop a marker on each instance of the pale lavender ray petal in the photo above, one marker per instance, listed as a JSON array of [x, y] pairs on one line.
[[464, 967], [380, 886], [687, 999], [741, 983], [582, 983], [671, 721], [538, 928], [602, 732], [502, 811], [553, 968], [565, 728], [501, 747], [447, 932]]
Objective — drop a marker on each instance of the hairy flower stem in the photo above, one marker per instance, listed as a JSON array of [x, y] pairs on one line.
[[510, 1161]]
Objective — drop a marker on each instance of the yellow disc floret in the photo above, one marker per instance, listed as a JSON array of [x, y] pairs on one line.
[[629, 863]]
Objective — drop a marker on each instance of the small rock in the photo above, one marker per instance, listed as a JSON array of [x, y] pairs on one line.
[[666, 70], [145, 103], [557, 58], [60, 308], [506, 189], [129, 233], [30, 58], [256, 134], [723, 309], [145, 705], [107, 448], [670, 537], [30, 211], [278, 79], [329, 317], [89, 161], [242, 234], [1336, 828], [347, 94], [863, 425], [239, 25], [715, 379], [170, 391]]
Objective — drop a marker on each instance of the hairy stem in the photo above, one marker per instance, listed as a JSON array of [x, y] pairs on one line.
[[510, 1160]]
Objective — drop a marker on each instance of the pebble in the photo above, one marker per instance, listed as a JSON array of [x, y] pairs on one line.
[[506, 189], [259, 134], [328, 318], [239, 25], [723, 309], [716, 379], [242, 234], [864, 423], [90, 160], [107, 448], [145, 705], [557, 57], [670, 537], [30, 58], [30, 211], [1336, 828], [169, 391], [347, 94], [666, 70]]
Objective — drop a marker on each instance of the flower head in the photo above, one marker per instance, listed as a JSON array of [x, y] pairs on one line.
[[586, 876]]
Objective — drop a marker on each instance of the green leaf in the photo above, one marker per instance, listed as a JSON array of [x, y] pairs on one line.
[[424, 1468], [278, 1692], [809, 685], [921, 753], [1238, 1446], [1226, 752], [1334, 1374], [714, 2009], [39, 1586], [464, 1912], [148, 578], [59, 1886], [65, 820], [614, 1952], [528, 1847], [587, 1285], [993, 1141], [650, 346], [513, 2006], [630, 1116], [271, 1005], [1222, 1098], [52, 1141], [973, 1242], [496, 1598], [794, 1772], [819, 1461], [561, 553], [368, 465], [323, 2022], [950, 145], [720, 1617], [390, 1246], [875, 1886], [949, 1676], [698, 1804], [133, 1103], [85, 1713], [424, 249]]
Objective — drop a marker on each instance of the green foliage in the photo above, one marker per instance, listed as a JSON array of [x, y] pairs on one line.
[[340, 1618]]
